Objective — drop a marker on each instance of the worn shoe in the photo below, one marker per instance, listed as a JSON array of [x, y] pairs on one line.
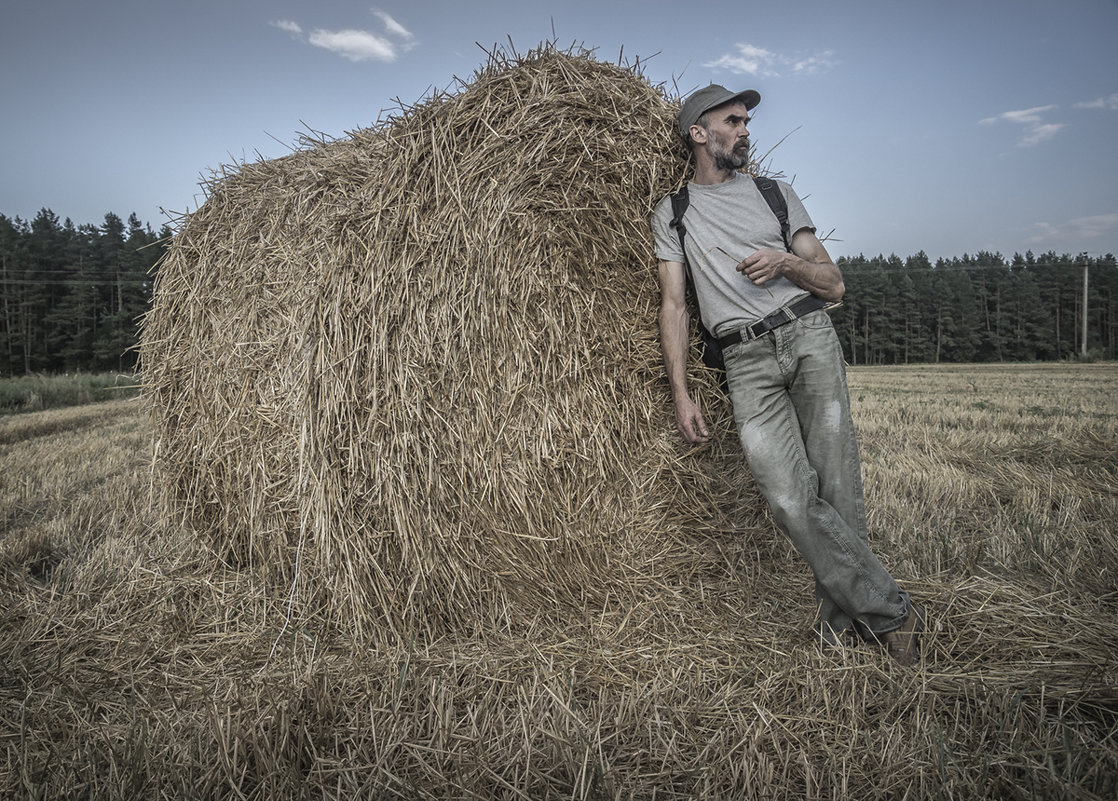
[[903, 644]]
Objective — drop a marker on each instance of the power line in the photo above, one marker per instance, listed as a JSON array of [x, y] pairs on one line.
[[846, 263], [79, 282]]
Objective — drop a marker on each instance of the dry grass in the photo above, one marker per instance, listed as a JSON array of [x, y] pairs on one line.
[[137, 666]]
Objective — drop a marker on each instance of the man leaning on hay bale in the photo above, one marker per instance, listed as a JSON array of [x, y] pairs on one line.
[[784, 367]]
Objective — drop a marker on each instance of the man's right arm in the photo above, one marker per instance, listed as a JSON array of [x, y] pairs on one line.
[[674, 329]]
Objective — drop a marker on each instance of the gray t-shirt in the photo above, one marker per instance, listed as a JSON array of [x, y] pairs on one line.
[[726, 223]]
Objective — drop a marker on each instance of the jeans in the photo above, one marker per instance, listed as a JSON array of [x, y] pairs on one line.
[[792, 408]]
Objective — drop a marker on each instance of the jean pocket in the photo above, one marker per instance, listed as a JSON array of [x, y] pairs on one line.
[[816, 319], [731, 351], [745, 349]]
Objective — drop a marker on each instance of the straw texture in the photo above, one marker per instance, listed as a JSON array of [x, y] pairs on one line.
[[416, 371], [136, 666]]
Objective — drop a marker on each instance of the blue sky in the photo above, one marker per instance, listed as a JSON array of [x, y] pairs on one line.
[[949, 127]]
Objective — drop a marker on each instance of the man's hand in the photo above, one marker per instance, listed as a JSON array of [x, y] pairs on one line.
[[689, 421], [765, 265], [808, 266]]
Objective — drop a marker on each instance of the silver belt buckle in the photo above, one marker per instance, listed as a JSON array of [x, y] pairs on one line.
[[748, 334]]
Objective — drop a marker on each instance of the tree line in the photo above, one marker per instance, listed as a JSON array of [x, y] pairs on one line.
[[71, 298], [979, 308]]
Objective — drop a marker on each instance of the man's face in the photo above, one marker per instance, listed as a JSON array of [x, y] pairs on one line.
[[727, 135]]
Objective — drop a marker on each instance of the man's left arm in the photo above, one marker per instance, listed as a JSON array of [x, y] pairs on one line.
[[808, 266]]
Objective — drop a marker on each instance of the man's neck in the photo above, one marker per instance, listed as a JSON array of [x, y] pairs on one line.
[[708, 173]]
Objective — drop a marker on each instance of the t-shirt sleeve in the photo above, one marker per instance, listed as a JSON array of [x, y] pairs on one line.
[[665, 238], [798, 218]]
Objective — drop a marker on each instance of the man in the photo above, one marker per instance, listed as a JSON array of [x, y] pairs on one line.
[[784, 367]]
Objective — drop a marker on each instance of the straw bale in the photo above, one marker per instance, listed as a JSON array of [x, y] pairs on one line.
[[415, 373]]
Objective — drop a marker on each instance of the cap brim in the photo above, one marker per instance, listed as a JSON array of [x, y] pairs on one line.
[[750, 97]]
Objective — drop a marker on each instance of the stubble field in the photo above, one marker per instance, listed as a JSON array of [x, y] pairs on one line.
[[133, 665]]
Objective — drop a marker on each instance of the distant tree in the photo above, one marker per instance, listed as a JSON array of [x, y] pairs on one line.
[[74, 319], [130, 262], [918, 270], [41, 289], [956, 334], [127, 254], [14, 270], [844, 316]]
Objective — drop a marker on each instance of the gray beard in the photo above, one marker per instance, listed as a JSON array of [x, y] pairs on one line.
[[731, 159]]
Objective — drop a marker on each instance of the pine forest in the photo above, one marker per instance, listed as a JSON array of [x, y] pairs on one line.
[[71, 298]]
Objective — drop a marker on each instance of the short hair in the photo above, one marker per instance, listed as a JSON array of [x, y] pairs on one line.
[[704, 123]]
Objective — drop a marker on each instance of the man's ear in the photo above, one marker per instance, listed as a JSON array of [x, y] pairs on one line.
[[698, 134]]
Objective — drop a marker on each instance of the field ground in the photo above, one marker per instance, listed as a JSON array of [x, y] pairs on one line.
[[133, 666], [38, 392]]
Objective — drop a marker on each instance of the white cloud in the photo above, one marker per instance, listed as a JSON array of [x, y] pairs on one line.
[[354, 45], [759, 62], [813, 64], [1076, 230], [1040, 133], [289, 26], [748, 60], [1036, 129], [392, 27], [1109, 103], [1025, 116]]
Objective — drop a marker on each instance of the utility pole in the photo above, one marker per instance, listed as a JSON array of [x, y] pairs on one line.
[[1083, 347]]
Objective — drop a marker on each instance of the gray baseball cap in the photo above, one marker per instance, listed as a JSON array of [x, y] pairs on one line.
[[704, 100]]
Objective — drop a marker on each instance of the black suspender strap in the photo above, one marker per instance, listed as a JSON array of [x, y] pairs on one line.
[[775, 198], [680, 201]]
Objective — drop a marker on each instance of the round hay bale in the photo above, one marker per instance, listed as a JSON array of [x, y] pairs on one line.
[[414, 374]]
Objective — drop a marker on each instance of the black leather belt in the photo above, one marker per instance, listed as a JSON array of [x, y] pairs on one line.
[[785, 314]]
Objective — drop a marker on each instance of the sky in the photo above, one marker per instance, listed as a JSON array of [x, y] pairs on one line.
[[949, 127]]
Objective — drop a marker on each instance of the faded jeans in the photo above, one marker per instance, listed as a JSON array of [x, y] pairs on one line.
[[792, 408]]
